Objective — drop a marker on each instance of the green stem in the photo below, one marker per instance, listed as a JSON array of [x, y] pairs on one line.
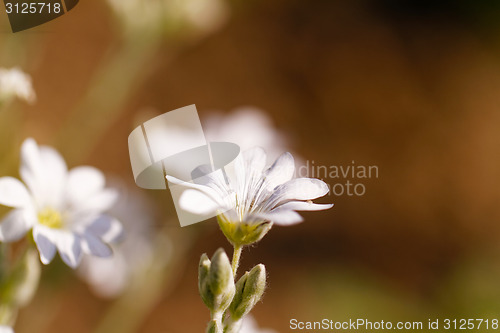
[[236, 259], [215, 326]]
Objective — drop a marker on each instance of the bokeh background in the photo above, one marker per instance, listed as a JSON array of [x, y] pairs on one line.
[[409, 86]]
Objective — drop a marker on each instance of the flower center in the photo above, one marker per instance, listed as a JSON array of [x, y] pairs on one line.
[[51, 218]]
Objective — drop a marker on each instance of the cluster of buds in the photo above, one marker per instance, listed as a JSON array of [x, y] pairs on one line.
[[228, 302]]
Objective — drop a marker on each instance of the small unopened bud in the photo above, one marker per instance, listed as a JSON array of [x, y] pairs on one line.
[[249, 291], [216, 282], [221, 274], [203, 269]]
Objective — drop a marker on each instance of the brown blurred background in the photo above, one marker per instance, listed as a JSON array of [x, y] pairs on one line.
[[410, 86]]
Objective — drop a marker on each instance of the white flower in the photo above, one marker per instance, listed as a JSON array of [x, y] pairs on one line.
[[249, 325], [254, 197], [63, 208], [6, 329], [248, 127], [132, 255], [15, 83]]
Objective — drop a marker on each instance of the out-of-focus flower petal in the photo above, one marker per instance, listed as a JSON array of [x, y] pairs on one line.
[[108, 277], [83, 182], [248, 127], [99, 202], [106, 228], [15, 83], [94, 246], [45, 244], [44, 171], [69, 247], [31, 165], [16, 224], [13, 193]]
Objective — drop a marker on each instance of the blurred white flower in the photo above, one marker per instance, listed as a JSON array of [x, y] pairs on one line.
[[253, 197], [65, 209], [132, 254], [15, 83], [6, 329], [139, 15], [249, 325], [247, 127]]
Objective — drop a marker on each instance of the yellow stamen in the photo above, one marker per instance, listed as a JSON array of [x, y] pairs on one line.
[[51, 218]]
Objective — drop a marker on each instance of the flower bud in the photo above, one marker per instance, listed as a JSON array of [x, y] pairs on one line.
[[216, 282], [243, 233], [203, 269], [249, 291]]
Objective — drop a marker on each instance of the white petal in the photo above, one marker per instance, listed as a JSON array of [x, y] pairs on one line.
[[94, 246], [303, 205], [255, 159], [53, 162], [280, 172], [13, 193], [45, 243], [248, 170], [83, 182], [105, 227], [297, 189], [197, 202], [16, 224], [30, 164], [281, 217], [30, 156], [248, 166], [208, 191], [69, 247], [204, 175], [97, 203], [44, 171]]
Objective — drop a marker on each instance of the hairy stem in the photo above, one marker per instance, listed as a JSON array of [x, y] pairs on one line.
[[215, 326], [236, 259]]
